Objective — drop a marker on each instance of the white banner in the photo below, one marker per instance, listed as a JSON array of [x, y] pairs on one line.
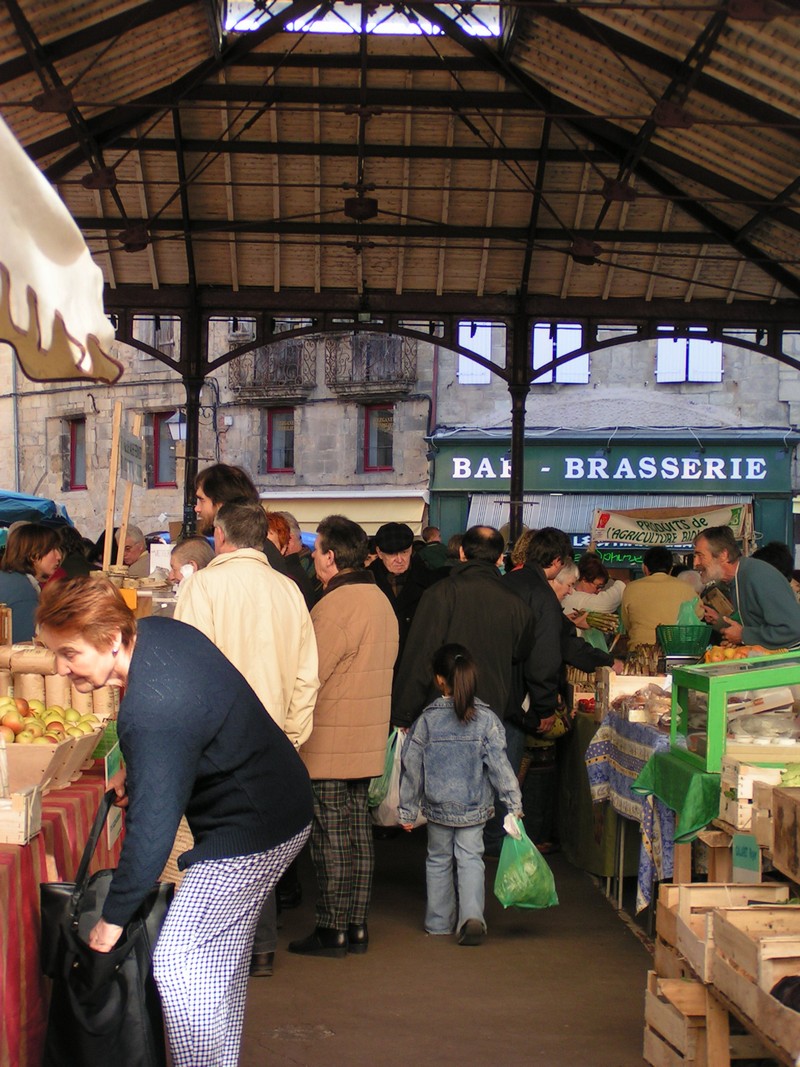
[[670, 526]]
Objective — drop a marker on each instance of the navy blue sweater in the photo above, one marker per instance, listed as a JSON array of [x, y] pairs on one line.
[[196, 740]]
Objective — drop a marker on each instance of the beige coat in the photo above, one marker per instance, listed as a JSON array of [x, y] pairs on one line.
[[259, 620], [357, 639]]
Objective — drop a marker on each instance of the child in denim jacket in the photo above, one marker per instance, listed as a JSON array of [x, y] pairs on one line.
[[453, 755]]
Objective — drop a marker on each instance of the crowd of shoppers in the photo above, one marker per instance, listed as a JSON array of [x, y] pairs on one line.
[[261, 712]]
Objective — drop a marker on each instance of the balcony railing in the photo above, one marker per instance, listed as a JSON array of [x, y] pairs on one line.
[[370, 365], [285, 371]]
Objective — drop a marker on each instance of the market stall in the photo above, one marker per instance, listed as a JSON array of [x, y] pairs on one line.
[[52, 854]]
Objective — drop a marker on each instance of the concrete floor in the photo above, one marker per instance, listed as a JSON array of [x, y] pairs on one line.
[[559, 987]]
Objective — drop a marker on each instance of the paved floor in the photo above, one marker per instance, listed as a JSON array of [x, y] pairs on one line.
[[561, 987]]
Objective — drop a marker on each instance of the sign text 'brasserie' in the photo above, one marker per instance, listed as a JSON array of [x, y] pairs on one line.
[[604, 468]]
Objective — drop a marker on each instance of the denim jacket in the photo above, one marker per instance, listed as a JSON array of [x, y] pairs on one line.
[[449, 767]]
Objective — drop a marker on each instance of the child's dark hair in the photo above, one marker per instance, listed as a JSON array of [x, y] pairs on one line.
[[457, 667]]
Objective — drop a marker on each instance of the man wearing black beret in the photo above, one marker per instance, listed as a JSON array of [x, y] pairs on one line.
[[399, 574]]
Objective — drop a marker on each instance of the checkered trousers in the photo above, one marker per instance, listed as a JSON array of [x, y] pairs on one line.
[[342, 851], [202, 956]]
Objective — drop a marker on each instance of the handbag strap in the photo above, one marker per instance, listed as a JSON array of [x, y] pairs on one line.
[[82, 877]]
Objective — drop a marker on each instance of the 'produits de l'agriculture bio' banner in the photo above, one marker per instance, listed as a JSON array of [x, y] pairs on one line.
[[668, 526]]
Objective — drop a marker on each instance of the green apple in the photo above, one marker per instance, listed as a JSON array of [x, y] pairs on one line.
[[71, 715]]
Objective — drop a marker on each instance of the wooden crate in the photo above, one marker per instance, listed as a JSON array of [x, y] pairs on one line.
[[674, 1021], [763, 941], [741, 778], [611, 685], [737, 790], [777, 1026], [668, 962], [21, 816], [50, 766], [686, 1027], [762, 826], [683, 915], [786, 831]]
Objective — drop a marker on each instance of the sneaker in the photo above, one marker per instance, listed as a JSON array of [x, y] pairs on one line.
[[471, 933]]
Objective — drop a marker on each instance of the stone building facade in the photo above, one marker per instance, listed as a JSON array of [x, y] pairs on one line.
[[299, 415]]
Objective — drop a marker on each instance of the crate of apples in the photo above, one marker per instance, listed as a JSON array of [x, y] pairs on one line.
[[30, 722]]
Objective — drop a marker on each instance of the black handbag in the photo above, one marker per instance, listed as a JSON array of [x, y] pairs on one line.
[[105, 1009]]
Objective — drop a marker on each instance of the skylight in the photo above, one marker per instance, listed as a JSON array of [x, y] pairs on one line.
[[476, 19]]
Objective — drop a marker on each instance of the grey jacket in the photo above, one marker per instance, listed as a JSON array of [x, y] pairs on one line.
[[449, 767]]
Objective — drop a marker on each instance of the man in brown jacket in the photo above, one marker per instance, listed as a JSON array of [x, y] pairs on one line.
[[357, 641]]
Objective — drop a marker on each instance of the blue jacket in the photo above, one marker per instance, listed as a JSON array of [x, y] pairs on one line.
[[449, 767]]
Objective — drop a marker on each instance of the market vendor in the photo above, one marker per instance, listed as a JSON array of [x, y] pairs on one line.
[[197, 740], [655, 599], [766, 612]]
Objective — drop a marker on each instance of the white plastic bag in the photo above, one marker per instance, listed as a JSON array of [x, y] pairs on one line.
[[386, 812]]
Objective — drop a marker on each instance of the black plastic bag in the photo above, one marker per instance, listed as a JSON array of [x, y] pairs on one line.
[[105, 1009]]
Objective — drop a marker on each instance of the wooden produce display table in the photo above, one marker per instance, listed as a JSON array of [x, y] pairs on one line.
[[52, 855]]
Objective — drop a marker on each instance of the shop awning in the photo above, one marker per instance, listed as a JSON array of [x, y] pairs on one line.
[[573, 513], [369, 509]]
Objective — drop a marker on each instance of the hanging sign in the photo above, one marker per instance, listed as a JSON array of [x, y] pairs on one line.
[[131, 458], [669, 526]]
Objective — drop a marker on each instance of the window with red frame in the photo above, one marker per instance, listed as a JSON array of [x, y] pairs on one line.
[[378, 437], [77, 454], [164, 465], [280, 440]]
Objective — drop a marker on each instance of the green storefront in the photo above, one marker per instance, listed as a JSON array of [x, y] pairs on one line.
[[568, 475]]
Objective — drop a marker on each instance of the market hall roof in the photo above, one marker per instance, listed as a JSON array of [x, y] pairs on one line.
[[590, 156]]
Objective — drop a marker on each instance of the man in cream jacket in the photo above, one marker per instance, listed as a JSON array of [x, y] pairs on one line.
[[259, 620], [257, 617]]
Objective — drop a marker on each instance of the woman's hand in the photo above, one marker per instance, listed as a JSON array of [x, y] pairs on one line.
[[117, 783], [104, 936], [579, 618]]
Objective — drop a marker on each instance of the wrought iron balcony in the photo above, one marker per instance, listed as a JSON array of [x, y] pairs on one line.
[[370, 365], [285, 371]]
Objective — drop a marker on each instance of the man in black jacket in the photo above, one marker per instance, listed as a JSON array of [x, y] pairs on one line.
[[473, 607], [400, 574], [548, 550]]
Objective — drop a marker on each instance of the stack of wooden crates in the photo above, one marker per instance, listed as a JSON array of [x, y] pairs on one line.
[[720, 949]]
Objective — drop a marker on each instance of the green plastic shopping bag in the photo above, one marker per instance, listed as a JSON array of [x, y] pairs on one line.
[[379, 787], [524, 879]]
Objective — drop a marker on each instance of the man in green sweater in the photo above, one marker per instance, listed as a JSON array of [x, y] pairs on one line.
[[767, 612]]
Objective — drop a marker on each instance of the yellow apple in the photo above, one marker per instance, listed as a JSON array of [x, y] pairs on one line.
[[44, 740], [37, 706], [7, 734], [74, 731], [13, 720], [71, 715], [34, 726], [25, 737]]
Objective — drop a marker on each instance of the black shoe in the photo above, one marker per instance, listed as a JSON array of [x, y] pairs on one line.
[[357, 938], [261, 964], [289, 898], [471, 933], [322, 942]]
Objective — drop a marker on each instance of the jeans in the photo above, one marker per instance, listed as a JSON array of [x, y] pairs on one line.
[[464, 844], [515, 750]]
